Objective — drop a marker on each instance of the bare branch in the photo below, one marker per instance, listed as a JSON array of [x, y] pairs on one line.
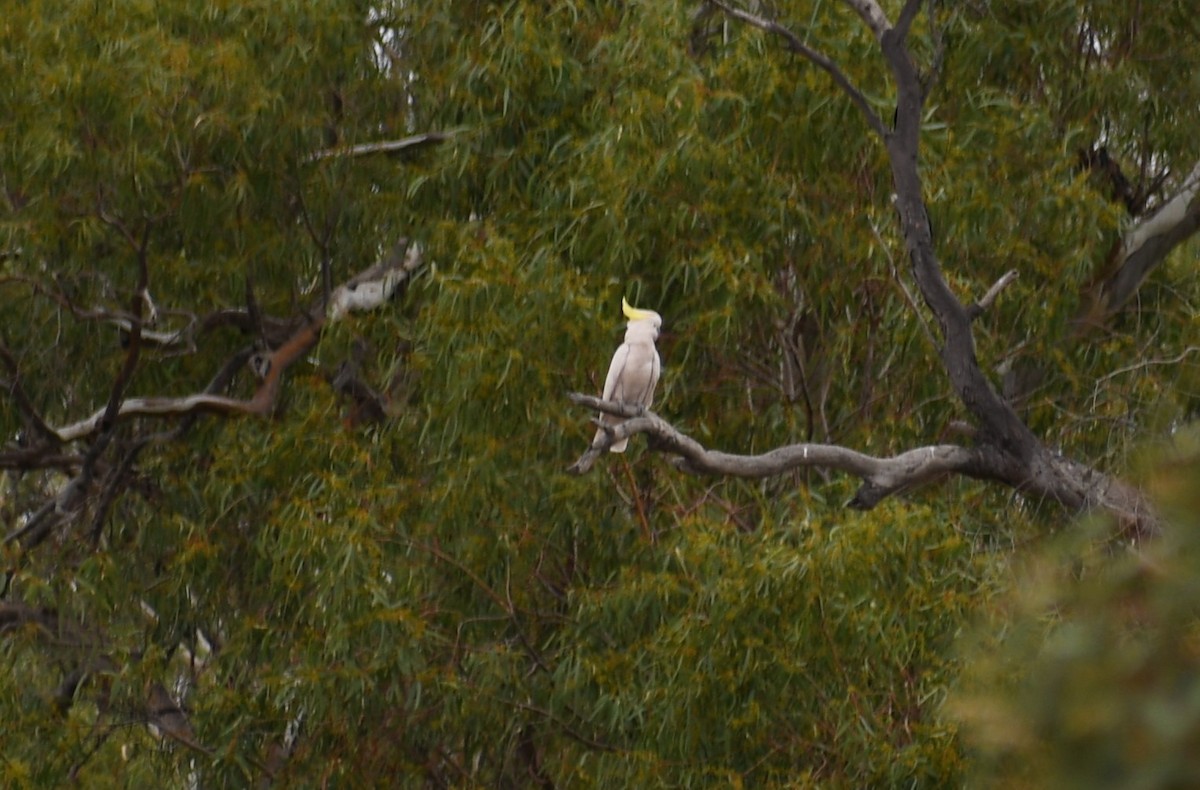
[[32, 418], [1047, 475], [367, 290], [372, 287], [40, 457], [122, 320], [985, 304], [1142, 249], [907, 15], [882, 477], [873, 15], [813, 55], [1148, 363], [384, 147]]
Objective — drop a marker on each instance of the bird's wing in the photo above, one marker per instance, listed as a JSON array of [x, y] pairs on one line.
[[640, 374], [614, 388], [655, 370]]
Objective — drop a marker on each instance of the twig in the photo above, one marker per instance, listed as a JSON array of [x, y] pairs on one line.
[[985, 303], [908, 296], [384, 147], [367, 290], [1182, 355], [815, 56]]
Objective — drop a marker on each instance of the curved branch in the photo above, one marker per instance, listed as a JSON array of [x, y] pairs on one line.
[[815, 56], [882, 477], [1006, 450], [985, 302], [1054, 477], [1141, 250], [367, 290]]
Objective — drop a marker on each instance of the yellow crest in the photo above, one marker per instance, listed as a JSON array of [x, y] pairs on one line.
[[633, 313]]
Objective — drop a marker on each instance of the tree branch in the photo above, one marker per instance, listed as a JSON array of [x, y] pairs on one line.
[[873, 15], [384, 147], [985, 304], [815, 56], [907, 15], [367, 290], [1141, 250], [122, 320], [1054, 477], [1007, 450], [882, 477]]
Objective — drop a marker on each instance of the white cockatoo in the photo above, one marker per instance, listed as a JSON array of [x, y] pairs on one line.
[[634, 371]]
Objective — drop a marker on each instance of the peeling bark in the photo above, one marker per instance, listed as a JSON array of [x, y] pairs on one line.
[[1141, 250]]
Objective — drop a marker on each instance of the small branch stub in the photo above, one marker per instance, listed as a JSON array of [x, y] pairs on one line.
[[983, 305]]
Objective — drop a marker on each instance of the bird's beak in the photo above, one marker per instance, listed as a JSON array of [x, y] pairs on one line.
[[632, 313]]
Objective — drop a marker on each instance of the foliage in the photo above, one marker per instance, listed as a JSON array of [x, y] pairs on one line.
[[430, 598], [1087, 674]]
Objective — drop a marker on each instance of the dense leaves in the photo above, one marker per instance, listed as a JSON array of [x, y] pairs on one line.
[[1093, 680], [422, 595]]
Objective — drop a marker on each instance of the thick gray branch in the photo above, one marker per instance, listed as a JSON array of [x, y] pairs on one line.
[[1149, 242], [882, 477], [1049, 476]]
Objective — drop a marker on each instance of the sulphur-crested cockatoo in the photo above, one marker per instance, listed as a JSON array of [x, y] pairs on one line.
[[634, 371]]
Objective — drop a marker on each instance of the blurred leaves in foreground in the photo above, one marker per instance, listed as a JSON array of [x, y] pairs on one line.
[[1088, 672]]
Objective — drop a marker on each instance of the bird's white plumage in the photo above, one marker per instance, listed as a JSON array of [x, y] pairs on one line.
[[633, 373]]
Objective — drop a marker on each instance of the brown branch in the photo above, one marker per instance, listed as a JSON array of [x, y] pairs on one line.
[[367, 290], [68, 502], [115, 484], [815, 56], [39, 457]]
